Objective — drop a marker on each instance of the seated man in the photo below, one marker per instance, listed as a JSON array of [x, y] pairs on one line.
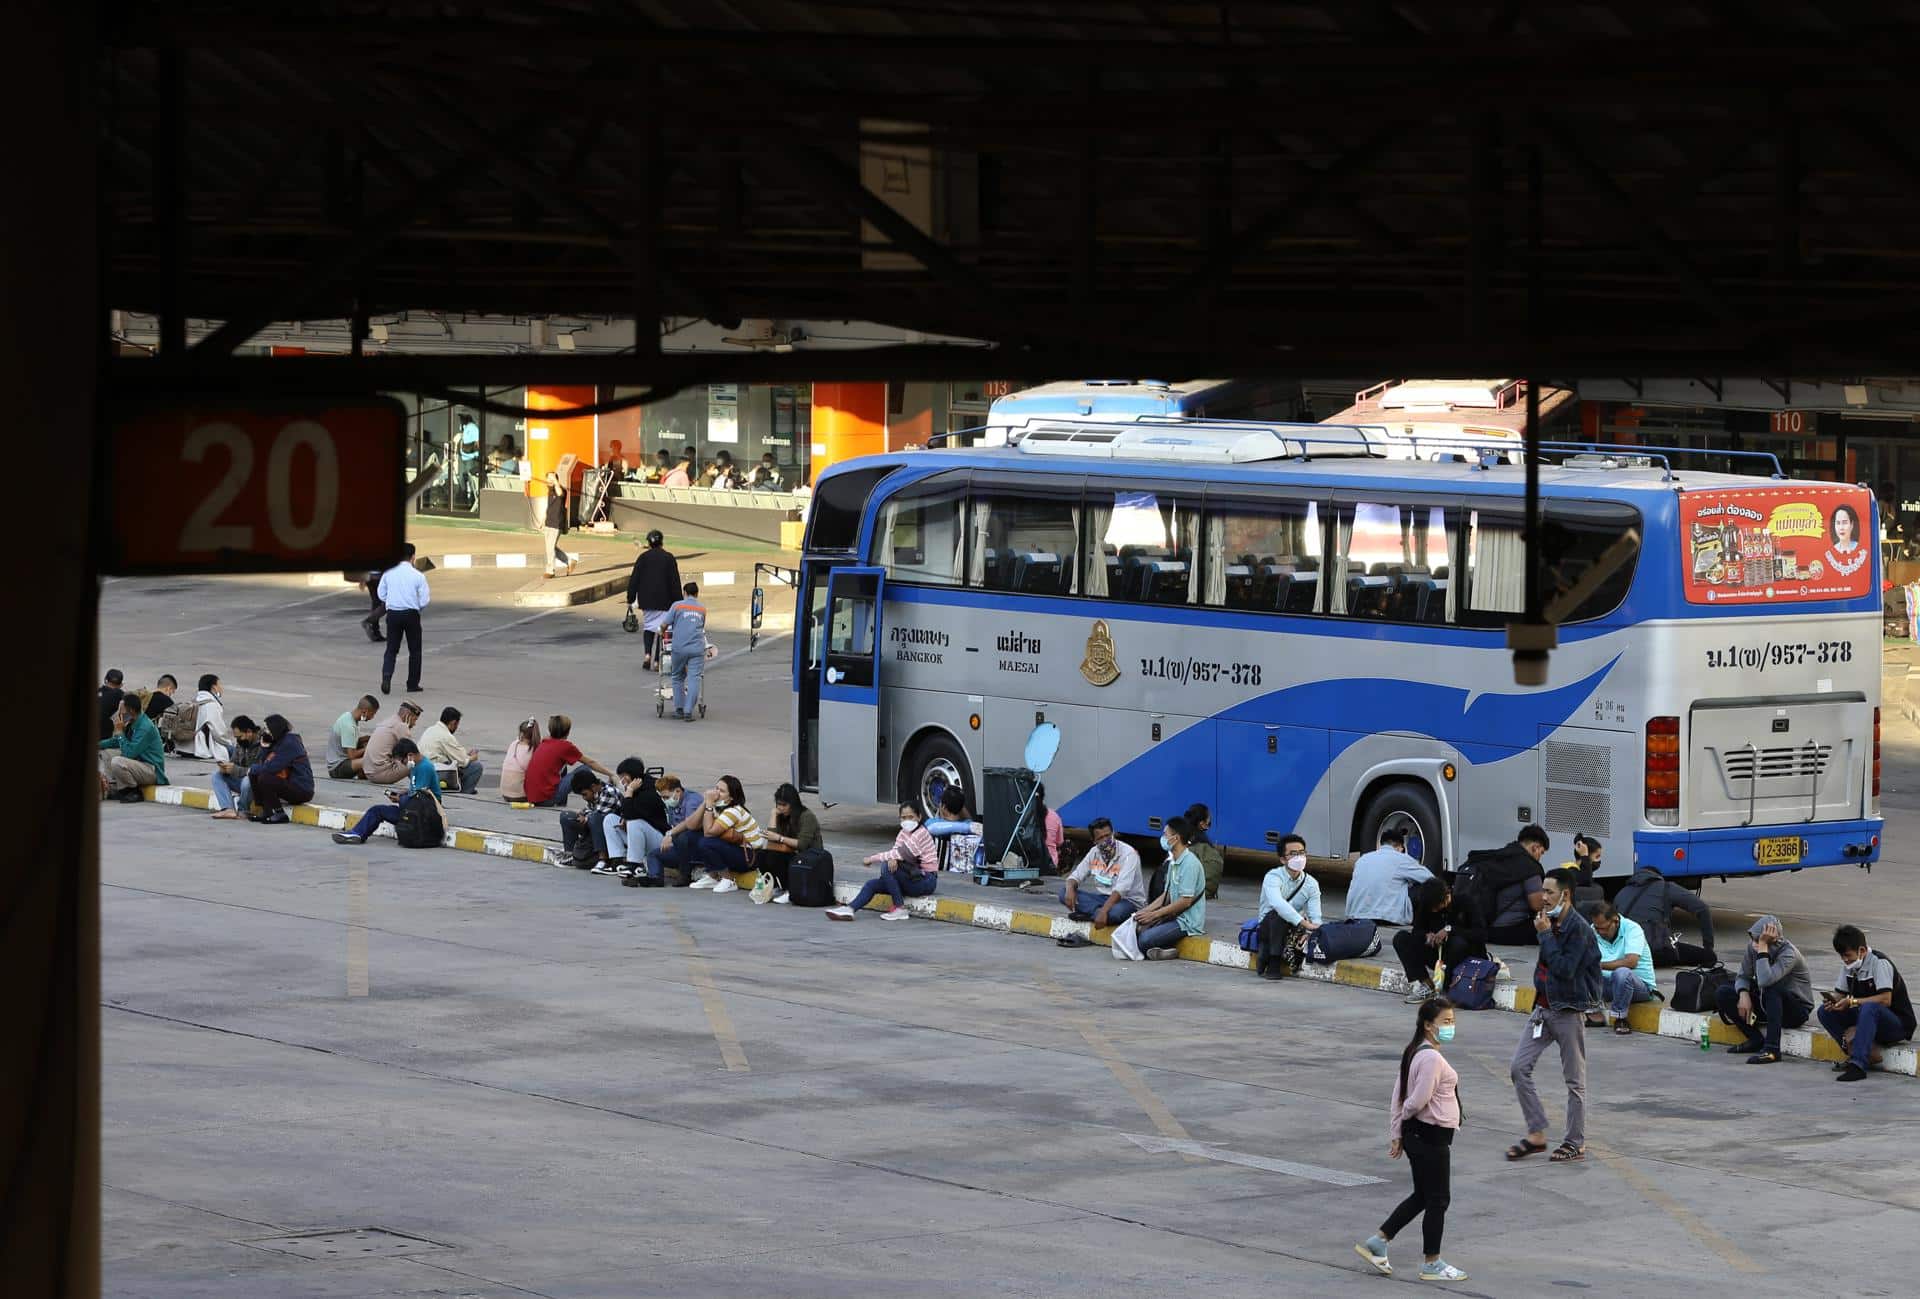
[[635, 832], [345, 749], [1868, 1008], [1771, 992], [1650, 899], [679, 848], [549, 770], [424, 782], [1213, 862], [1382, 883], [232, 795], [381, 763], [583, 834], [1111, 873], [1439, 931], [1507, 888], [1181, 909], [131, 758], [1626, 962], [450, 757], [1289, 911]]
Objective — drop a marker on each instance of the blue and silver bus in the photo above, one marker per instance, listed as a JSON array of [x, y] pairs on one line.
[[1304, 629]]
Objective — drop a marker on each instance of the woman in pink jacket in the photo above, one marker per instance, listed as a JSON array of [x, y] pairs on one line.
[[909, 869], [1425, 1114]]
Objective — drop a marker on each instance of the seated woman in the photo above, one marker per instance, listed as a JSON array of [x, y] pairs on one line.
[[795, 830], [729, 837], [513, 767], [1440, 932], [283, 775], [909, 869], [231, 789], [424, 783], [680, 846]]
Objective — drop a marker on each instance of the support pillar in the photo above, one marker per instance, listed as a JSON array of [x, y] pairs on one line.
[[849, 420], [549, 439], [50, 355]]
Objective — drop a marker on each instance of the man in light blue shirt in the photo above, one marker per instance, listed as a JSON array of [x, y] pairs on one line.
[[404, 592], [1626, 962], [1181, 909], [1380, 890], [687, 628], [1289, 911]]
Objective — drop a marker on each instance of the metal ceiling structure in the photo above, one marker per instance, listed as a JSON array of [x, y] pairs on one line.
[[1153, 188]]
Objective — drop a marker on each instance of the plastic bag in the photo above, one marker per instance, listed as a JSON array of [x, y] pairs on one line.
[[1126, 941]]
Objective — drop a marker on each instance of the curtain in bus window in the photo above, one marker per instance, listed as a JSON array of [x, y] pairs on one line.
[[1337, 571], [1497, 582], [981, 553], [1216, 561], [921, 539], [1099, 552], [1263, 555]]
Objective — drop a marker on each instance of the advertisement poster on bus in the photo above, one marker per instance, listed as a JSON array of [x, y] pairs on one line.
[[1804, 541]]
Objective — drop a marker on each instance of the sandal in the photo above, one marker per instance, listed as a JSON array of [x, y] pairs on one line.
[[1622, 1029], [1521, 1149], [1567, 1153]]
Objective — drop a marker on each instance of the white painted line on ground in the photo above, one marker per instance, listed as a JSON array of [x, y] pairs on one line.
[[1312, 1172], [470, 636], [259, 613], [717, 579], [765, 636], [256, 690]]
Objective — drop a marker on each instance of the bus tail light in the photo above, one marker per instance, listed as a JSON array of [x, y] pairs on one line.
[[1662, 781], [1876, 762]]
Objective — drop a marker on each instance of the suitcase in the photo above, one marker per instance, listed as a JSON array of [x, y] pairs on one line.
[[810, 879], [1698, 990]]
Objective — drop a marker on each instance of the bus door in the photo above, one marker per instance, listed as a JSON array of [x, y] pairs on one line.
[[809, 638], [848, 739]]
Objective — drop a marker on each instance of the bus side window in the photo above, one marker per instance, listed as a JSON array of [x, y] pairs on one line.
[[1393, 562], [1148, 547], [1024, 543], [1263, 556], [921, 539], [1496, 568]]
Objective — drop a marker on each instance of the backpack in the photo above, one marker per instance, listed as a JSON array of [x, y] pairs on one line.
[[419, 825], [810, 879], [1472, 985], [1339, 940], [177, 723]]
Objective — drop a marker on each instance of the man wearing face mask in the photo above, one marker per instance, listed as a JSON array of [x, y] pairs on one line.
[[1566, 985], [1289, 911], [1106, 886], [1181, 909]]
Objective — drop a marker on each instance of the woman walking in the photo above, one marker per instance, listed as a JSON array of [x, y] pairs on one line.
[[1425, 1115]]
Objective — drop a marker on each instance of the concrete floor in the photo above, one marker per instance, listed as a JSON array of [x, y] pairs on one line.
[[548, 1085]]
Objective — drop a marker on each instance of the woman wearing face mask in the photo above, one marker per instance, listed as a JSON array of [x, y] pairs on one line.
[[1289, 911], [729, 836], [1424, 1116], [909, 869], [680, 846]]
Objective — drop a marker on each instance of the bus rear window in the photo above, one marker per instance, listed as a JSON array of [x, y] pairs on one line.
[[833, 516], [1573, 535]]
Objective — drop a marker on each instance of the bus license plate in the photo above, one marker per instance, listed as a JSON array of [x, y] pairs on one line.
[[1779, 852]]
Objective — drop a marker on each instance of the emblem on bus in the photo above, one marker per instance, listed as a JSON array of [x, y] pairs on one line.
[[1099, 666]]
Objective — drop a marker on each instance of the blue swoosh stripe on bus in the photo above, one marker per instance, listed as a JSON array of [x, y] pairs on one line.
[[1485, 729]]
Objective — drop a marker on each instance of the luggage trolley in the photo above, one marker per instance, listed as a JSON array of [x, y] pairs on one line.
[[663, 694]]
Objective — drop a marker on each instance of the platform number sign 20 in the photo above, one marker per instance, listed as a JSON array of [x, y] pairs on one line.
[[207, 486]]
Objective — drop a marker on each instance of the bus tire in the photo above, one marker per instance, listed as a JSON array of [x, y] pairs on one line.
[[1403, 801], [934, 761]]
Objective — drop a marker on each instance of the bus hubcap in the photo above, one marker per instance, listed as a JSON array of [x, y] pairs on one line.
[[1416, 835], [938, 777]]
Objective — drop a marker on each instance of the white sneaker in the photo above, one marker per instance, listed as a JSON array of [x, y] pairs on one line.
[[780, 899], [897, 913], [604, 868], [726, 886], [1418, 993], [1377, 1261], [704, 882], [1441, 1271], [839, 913]]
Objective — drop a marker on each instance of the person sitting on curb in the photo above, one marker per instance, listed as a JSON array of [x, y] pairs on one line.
[[381, 763], [230, 788], [1439, 930], [424, 783], [795, 830], [729, 837], [1213, 862], [583, 834], [1772, 991], [1381, 889], [1181, 909], [284, 775], [212, 737], [1111, 870], [1650, 899], [450, 757], [1566, 985], [909, 869], [136, 759], [1626, 962], [1868, 1007], [1504, 886], [513, 763], [634, 836], [549, 769], [1289, 911], [345, 749], [680, 846]]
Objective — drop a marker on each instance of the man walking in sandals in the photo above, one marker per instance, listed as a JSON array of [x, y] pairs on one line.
[[1566, 985]]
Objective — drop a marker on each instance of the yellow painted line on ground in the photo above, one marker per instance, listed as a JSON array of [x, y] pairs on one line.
[[731, 1052], [1124, 1073], [357, 927]]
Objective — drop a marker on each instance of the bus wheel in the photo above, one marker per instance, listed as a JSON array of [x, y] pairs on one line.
[[934, 763], [1408, 806]]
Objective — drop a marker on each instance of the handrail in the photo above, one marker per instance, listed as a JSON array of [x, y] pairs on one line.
[[939, 440], [1617, 448]]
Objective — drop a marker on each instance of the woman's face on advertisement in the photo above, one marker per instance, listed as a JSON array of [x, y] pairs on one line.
[[1842, 526]]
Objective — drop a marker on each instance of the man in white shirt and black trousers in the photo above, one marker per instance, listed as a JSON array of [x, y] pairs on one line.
[[403, 589]]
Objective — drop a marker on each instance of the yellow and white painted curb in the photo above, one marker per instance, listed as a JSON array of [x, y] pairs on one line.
[[1647, 1017]]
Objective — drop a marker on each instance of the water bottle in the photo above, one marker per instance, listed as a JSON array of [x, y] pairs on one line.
[[1706, 1038]]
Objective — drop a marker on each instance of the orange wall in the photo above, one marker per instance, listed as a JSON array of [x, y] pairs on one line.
[[849, 420], [563, 435]]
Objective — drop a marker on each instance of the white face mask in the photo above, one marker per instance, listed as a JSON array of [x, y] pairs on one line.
[[1853, 967], [908, 826], [672, 801], [1296, 863]]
